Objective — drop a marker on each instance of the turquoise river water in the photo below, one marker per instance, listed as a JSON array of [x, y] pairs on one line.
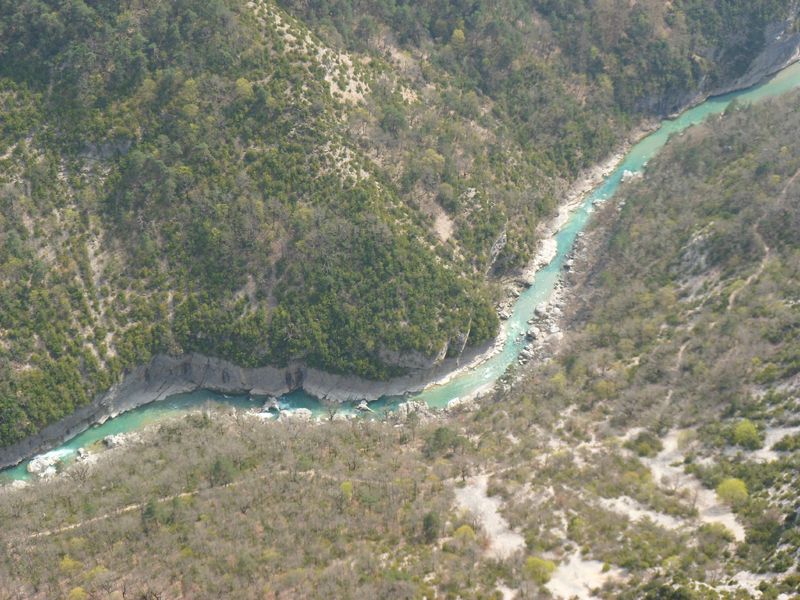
[[487, 372]]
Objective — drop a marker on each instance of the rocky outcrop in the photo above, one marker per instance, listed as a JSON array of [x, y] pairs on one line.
[[166, 376], [163, 376], [414, 410], [781, 49], [44, 465]]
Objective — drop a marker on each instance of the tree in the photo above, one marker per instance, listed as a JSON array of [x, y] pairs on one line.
[[746, 435], [733, 492], [393, 120], [244, 89], [457, 38], [539, 569], [347, 490], [78, 593], [430, 527], [150, 515], [222, 472], [464, 534]]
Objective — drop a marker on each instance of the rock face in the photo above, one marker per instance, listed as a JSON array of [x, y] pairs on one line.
[[163, 376], [782, 48], [498, 246], [166, 376]]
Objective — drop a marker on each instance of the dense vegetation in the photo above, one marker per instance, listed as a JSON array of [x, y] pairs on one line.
[[164, 191], [210, 176], [687, 327]]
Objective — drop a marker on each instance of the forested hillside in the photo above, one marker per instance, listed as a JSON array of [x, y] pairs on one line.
[[322, 183], [655, 456]]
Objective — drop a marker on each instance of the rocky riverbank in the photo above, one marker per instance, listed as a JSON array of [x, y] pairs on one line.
[[165, 376]]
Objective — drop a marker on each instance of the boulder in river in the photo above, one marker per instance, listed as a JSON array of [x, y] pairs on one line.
[[43, 465], [270, 404], [364, 407], [628, 175]]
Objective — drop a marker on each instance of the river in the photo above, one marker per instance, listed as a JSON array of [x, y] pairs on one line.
[[486, 373]]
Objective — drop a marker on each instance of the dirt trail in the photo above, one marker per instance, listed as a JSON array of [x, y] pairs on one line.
[[755, 274], [308, 475], [765, 248]]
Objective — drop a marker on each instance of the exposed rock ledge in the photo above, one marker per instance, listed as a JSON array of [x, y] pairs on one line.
[[165, 376]]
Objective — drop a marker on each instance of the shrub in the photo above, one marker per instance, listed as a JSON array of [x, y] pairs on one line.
[[69, 565], [645, 444], [789, 443], [539, 569], [347, 490], [465, 533], [746, 435], [430, 527], [733, 492]]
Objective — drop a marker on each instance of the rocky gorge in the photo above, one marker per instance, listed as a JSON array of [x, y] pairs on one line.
[[165, 375]]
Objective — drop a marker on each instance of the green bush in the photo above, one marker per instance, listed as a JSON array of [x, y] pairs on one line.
[[733, 492], [538, 569], [746, 434], [645, 444]]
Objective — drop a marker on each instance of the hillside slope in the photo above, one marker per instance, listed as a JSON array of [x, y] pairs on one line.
[[655, 456], [216, 177]]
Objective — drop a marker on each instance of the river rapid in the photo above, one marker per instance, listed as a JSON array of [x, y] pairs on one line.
[[482, 376]]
